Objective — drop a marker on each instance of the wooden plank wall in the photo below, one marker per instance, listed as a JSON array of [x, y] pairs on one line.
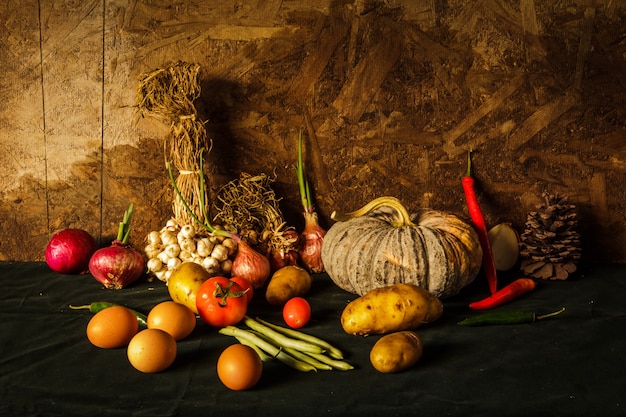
[[391, 96]]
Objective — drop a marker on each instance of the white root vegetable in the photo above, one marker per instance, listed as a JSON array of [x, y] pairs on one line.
[[227, 266], [210, 263], [185, 256], [163, 257], [231, 245], [152, 250], [172, 250], [154, 238], [187, 244], [204, 247], [154, 265], [188, 231], [173, 263], [168, 237], [220, 252]]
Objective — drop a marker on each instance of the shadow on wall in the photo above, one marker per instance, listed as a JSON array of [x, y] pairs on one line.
[[218, 103]]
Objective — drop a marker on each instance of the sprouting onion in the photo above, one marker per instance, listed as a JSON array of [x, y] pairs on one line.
[[118, 265], [313, 234]]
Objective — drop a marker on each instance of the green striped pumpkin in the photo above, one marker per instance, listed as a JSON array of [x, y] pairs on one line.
[[382, 244]]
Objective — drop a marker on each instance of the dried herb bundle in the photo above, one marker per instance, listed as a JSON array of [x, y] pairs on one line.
[[168, 94]]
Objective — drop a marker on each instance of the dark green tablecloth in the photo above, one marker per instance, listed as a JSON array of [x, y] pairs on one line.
[[568, 366]]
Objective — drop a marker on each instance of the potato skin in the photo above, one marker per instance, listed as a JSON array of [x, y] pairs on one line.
[[287, 282], [391, 309], [396, 352]]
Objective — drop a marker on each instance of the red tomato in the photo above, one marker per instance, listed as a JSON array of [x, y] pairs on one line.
[[221, 302], [246, 285], [296, 312]]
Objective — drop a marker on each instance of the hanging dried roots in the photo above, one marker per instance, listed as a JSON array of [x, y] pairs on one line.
[[249, 207], [167, 93]]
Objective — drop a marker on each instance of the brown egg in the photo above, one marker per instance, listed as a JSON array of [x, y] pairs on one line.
[[112, 327], [239, 367], [175, 318], [152, 350]]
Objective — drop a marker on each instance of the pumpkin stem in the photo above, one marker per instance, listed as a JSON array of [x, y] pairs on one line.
[[400, 215]]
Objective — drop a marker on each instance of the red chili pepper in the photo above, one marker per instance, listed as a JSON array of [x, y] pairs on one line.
[[489, 266], [513, 290]]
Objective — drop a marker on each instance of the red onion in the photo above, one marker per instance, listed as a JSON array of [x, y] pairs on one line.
[[69, 250], [117, 266], [312, 239], [252, 265]]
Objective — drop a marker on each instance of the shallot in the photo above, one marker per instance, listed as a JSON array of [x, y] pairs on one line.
[[118, 265], [313, 234], [252, 265]]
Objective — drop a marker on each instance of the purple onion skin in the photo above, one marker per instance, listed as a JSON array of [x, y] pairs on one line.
[[116, 266], [70, 250]]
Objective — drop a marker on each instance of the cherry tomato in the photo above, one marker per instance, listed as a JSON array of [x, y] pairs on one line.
[[221, 302], [296, 312], [246, 285]]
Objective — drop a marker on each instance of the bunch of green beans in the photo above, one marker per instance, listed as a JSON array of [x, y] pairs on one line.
[[299, 350]]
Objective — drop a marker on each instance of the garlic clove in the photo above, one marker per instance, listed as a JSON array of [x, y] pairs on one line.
[[505, 246]]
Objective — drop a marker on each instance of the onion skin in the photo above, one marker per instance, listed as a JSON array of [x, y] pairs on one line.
[[117, 266], [252, 265], [69, 251], [278, 260], [287, 254], [312, 240]]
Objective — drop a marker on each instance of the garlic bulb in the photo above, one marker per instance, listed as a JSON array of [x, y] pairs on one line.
[[220, 252], [154, 265], [174, 244]]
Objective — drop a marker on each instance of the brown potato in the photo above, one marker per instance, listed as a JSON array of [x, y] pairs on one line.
[[287, 282], [396, 352], [390, 309]]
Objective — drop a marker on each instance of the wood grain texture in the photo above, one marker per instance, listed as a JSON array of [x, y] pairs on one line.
[[390, 96]]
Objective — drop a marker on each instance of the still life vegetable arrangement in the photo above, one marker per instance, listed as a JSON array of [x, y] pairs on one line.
[[219, 256]]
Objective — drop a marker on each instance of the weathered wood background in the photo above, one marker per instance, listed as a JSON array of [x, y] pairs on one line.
[[391, 95]]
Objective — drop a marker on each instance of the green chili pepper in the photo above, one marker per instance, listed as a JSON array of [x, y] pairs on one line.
[[97, 306], [507, 317]]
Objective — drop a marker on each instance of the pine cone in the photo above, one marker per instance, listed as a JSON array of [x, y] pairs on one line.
[[550, 245]]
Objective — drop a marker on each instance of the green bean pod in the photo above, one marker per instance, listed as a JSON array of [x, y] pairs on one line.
[[332, 350], [281, 339], [334, 363], [268, 347]]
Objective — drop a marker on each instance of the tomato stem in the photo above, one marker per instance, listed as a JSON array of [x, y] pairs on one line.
[[223, 293]]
